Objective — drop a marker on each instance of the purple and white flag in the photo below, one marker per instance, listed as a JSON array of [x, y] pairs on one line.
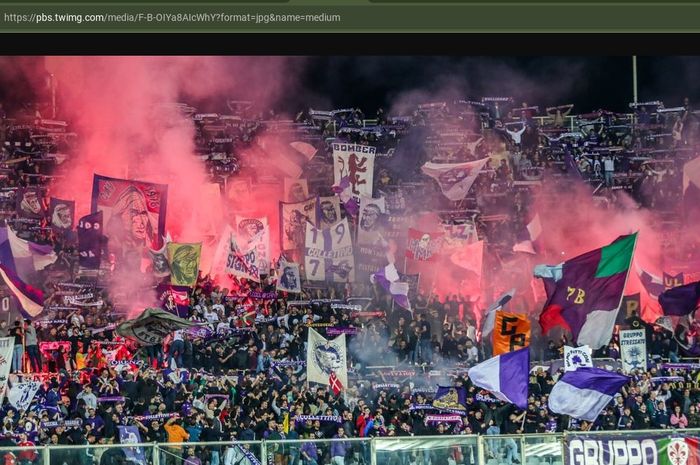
[[505, 376], [455, 179], [31, 300], [388, 278], [584, 393]]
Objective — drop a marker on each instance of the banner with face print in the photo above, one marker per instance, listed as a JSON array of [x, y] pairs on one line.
[[134, 212], [356, 162], [184, 263], [324, 357], [61, 214], [328, 211], [423, 246], [328, 254], [255, 233], [29, 203], [295, 190], [293, 219], [371, 228], [289, 279]]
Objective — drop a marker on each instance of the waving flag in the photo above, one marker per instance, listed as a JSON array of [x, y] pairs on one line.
[[681, 300], [455, 179], [490, 318], [388, 278], [23, 257], [152, 326], [527, 239], [335, 383], [584, 294], [511, 332], [585, 392], [505, 376], [470, 257], [31, 300], [21, 395]]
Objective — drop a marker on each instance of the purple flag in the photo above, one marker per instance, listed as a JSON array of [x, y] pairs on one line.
[[89, 240], [681, 300]]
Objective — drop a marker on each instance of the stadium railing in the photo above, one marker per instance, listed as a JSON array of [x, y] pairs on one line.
[[523, 449]]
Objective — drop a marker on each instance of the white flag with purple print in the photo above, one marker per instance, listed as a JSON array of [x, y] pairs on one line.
[[584, 393], [506, 376], [577, 357], [455, 179]]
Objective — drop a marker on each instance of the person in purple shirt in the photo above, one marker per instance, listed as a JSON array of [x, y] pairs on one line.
[[309, 453], [95, 421]]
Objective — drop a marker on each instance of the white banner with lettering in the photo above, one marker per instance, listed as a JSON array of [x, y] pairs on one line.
[[355, 162], [633, 349], [328, 253], [575, 357]]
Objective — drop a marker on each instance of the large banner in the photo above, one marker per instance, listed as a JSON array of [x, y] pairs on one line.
[[356, 163], [324, 357], [458, 235], [61, 213], [174, 299], [511, 332], [254, 233], [152, 326], [134, 212], [131, 435], [242, 263], [293, 219], [159, 262], [90, 241], [289, 277], [422, 246], [639, 449], [633, 349], [328, 254], [295, 190], [371, 227], [184, 263], [671, 281], [7, 346], [20, 395], [29, 203], [328, 211]]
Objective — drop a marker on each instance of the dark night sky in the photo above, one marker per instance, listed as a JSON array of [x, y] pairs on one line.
[[591, 83]]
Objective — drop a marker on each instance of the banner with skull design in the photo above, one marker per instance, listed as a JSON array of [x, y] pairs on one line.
[[455, 179], [423, 246], [324, 357]]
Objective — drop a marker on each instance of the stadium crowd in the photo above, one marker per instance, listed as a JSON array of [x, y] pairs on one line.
[[240, 375]]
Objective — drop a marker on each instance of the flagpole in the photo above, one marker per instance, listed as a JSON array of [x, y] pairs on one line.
[[627, 275]]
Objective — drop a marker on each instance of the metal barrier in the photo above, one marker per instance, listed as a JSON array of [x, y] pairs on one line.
[[523, 449]]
